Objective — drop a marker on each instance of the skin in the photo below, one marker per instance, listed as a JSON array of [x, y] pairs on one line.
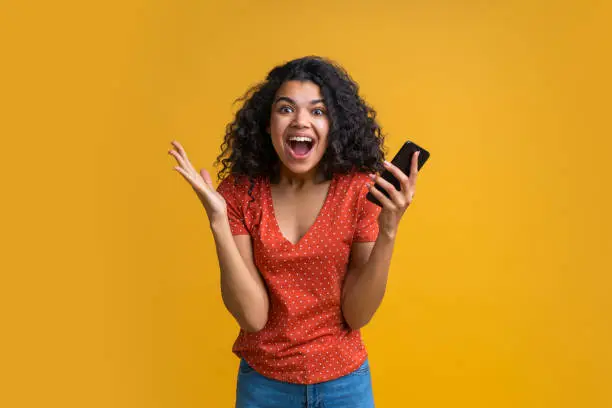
[[298, 109]]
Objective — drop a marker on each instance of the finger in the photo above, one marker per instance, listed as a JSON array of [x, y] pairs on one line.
[[185, 164], [395, 195], [398, 174], [185, 174], [201, 190], [178, 157], [179, 148], [414, 168], [206, 176], [181, 151], [382, 199]]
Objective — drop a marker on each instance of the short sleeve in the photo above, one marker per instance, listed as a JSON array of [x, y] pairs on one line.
[[233, 196], [367, 219]]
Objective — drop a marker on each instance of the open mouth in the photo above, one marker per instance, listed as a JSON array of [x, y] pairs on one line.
[[300, 146]]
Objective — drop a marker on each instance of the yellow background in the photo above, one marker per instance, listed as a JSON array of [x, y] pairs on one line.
[[499, 294]]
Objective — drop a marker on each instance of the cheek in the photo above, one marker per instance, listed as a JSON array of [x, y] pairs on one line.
[[277, 125], [323, 128], [273, 128], [276, 130]]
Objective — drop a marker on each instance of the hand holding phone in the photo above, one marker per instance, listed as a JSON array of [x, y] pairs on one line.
[[403, 161]]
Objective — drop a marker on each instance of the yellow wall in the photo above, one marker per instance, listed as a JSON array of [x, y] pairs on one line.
[[499, 294]]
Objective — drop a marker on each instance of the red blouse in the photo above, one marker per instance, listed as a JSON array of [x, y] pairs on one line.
[[306, 339]]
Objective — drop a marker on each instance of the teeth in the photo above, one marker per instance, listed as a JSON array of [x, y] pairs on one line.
[[300, 139]]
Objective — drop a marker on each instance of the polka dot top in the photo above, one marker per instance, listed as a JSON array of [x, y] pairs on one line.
[[306, 339]]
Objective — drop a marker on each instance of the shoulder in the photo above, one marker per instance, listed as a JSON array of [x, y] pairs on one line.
[[243, 197], [353, 183], [354, 190], [231, 185], [238, 187], [351, 189]]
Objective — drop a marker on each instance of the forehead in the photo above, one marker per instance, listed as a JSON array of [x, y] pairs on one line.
[[300, 91]]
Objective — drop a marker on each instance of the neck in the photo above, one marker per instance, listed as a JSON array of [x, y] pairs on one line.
[[287, 177]]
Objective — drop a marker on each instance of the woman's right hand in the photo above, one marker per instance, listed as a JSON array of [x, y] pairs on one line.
[[201, 182]]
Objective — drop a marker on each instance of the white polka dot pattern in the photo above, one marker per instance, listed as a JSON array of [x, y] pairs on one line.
[[306, 339]]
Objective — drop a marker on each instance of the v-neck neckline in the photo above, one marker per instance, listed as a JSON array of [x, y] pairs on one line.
[[308, 232]]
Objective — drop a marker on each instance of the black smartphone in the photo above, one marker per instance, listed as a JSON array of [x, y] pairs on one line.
[[402, 160]]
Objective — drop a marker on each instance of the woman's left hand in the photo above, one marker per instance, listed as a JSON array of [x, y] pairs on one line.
[[394, 207]]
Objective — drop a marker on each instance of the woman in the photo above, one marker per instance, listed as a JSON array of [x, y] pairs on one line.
[[304, 256]]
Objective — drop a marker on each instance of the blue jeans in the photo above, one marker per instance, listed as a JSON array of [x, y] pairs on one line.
[[351, 391]]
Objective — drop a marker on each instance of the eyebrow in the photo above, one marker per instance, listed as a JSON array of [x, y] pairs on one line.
[[291, 101]]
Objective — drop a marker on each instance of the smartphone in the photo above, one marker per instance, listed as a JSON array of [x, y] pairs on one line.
[[402, 160]]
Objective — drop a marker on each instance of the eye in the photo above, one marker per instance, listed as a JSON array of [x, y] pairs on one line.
[[286, 109], [318, 112]]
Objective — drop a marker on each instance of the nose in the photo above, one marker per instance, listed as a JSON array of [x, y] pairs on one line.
[[301, 119]]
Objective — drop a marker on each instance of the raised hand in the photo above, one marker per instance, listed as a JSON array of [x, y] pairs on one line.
[[201, 182]]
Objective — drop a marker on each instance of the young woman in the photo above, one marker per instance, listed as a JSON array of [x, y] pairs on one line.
[[304, 256]]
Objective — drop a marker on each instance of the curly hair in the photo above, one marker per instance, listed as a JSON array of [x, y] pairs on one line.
[[356, 142]]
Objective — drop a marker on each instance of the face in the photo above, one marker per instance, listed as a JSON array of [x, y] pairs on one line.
[[299, 126]]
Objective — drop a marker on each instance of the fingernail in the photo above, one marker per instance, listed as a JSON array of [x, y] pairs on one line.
[[387, 163], [372, 176]]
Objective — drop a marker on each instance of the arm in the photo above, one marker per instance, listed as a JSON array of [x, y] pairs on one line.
[[242, 287], [366, 280]]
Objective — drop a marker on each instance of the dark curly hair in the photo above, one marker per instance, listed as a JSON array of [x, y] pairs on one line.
[[355, 139]]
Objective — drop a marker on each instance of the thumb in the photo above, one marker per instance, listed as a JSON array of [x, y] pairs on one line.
[[206, 176]]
